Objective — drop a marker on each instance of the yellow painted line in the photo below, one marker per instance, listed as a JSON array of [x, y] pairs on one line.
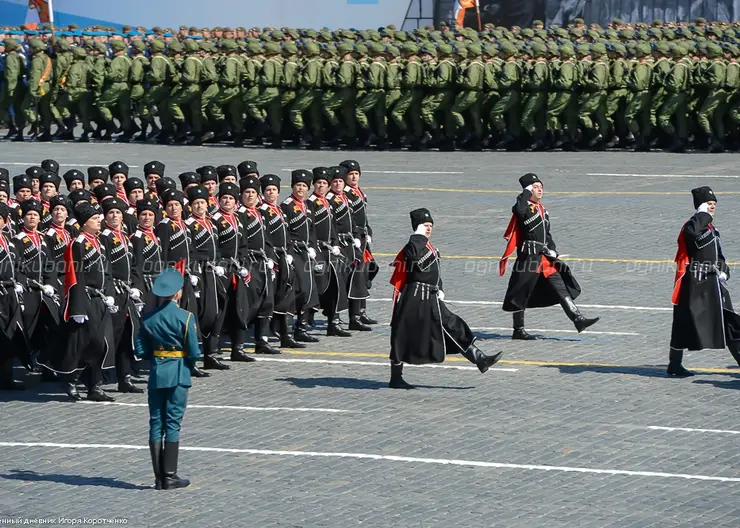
[[567, 259], [516, 192], [521, 362]]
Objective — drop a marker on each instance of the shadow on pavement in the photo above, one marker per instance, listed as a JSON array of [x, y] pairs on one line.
[[731, 384], [71, 480], [642, 370], [354, 383], [507, 337]]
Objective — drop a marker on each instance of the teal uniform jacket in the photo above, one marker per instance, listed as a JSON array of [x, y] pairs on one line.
[[166, 329]]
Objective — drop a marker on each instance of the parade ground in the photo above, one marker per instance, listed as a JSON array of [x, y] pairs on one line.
[[572, 430]]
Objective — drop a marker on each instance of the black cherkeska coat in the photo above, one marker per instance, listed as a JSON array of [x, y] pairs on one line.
[[529, 235], [703, 316]]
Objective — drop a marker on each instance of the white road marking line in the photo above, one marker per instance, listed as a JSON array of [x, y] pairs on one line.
[[550, 330], [400, 172], [600, 306], [733, 176], [62, 164], [377, 364], [391, 458], [233, 407], [690, 430]]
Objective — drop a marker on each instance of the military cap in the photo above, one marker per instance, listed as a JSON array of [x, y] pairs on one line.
[[172, 195], [702, 195], [197, 193], [147, 204], [361, 49], [50, 177], [598, 50], [508, 49], [393, 51], [713, 50], [247, 167], [11, 44], [410, 47], [97, 173], [104, 190], [538, 50], [528, 33], [118, 167], [191, 46], [460, 49], [114, 203], [37, 45], [269, 179], [224, 171], [165, 184], [132, 183], [429, 49], [4, 175], [62, 200], [300, 176], [249, 182], [207, 46], [168, 283], [346, 34], [290, 48], [157, 45], [31, 205], [22, 181], [207, 173], [79, 195], [175, 47], [229, 189], [73, 175], [118, 45], [337, 173], [642, 49], [490, 50], [4, 210], [567, 51], [254, 47], [678, 50], [154, 167], [618, 48], [189, 178], [420, 216], [50, 165], [272, 48], [84, 211], [700, 20], [34, 172], [537, 23], [401, 36], [475, 50], [351, 165], [80, 53], [320, 173]]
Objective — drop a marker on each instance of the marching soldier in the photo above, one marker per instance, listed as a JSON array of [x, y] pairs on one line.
[[147, 252], [209, 180], [539, 278], [11, 295], [419, 304], [169, 339], [703, 316]]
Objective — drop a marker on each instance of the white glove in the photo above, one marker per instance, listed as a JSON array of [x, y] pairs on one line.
[[703, 208], [441, 295], [335, 250], [219, 270], [357, 243], [421, 230], [529, 188], [109, 301], [243, 272], [80, 319], [289, 259], [369, 239], [18, 288], [48, 290], [270, 264], [135, 294], [194, 280], [311, 253], [723, 276], [550, 253]]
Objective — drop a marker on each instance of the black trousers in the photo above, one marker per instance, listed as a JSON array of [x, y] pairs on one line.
[[556, 283]]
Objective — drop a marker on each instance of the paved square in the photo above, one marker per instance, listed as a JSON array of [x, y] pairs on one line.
[[571, 430]]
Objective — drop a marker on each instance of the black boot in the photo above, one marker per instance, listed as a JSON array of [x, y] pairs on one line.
[[210, 349], [365, 319], [237, 348], [213, 363], [286, 333], [127, 386], [482, 361], [301, 332], [261, 331], [196, 372], [675, 367], [97, 394], [155, 449], [397, 381], [142, 136], [275, 325], [355, 323], [522, 334], [335, 328], [735, 351], [12, 131], [170, 480], [571, 310]]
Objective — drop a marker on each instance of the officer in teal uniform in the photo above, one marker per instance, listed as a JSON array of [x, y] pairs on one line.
[[168, 337]]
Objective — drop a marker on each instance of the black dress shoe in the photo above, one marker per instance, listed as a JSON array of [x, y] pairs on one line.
[[357, 324], [241, 356], [195, 371], [364, 319], [213, 363], [678, 371], [263, 347], [287, 341], [335, 330], [12, 385], [582, 323], [71, 390], [305, 337], [99, 395], [127, 386], [521, 333]]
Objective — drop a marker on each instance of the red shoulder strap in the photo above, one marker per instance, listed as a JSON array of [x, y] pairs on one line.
[[512, 237], [682, 259]]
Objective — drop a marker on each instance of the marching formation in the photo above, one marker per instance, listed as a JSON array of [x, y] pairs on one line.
[[670, 86], [78, 270]]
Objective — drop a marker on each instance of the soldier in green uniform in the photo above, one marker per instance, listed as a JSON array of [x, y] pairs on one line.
[[505, 111], [75, 101], [562, 120], [392, 91], [251, 82], [339, 89], [117, 93], [676, 85], [618, 92], [308, 98], [14, 90], [592, 103], [38, 96], [188, 95], [289, 83], [161, 76], [710, 115], [270, 80], [168, 337], [440, 79], [98, 65], [62, 61], [139, 67], [662, 66], [372, 103], [536, 84], [408, 105], [229, 101], [637, 111]]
